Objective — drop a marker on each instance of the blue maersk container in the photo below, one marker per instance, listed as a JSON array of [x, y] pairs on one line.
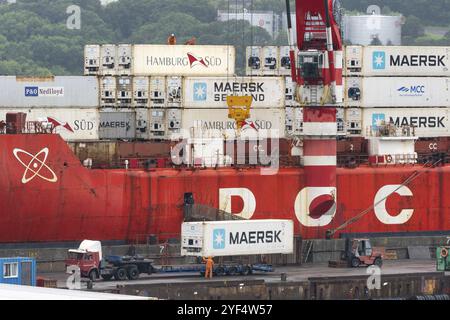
[[19, 271]]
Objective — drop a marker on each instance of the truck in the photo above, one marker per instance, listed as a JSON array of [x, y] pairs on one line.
[[89, 259], [237, 238]]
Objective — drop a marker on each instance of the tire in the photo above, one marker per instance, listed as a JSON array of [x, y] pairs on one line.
[[120, 274], [247, 271], [355, 263], [93, 275], [378, 262], [107, 277], [232, 271], [220, 272], [133, 273]]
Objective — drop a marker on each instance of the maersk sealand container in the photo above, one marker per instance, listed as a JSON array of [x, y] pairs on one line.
[[49, 92]]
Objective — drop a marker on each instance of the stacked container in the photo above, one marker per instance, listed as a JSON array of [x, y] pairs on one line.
[[404, 86]]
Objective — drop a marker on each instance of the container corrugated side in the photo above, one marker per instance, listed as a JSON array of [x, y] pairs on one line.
[[212, 123], [26, 92], [117, 125], [211, 93], [82, 123], [428, 123], [406, 61], [399, 91], [180, 60]]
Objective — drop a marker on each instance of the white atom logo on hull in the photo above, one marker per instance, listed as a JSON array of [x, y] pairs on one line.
[[35, 165]]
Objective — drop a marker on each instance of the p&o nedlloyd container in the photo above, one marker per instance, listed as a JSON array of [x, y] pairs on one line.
[[231, 238], [398, 61], [163, 60], [427, 123], [49, 92], [202, 93], [398, 92]]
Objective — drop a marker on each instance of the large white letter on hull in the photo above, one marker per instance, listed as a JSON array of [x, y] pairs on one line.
[[303, 203], [381, 211], [248, 198]]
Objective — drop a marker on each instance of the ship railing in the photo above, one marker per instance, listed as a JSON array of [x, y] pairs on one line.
[[390, 130]]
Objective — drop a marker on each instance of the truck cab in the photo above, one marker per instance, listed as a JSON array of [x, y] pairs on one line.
[[87, 257]]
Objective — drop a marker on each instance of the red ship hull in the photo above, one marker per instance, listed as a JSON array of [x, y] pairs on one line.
[[126, 205]]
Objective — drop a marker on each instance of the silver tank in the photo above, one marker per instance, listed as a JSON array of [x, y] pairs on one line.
[[362, 29]]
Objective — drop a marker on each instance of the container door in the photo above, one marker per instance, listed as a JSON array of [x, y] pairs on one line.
[[26, 268]]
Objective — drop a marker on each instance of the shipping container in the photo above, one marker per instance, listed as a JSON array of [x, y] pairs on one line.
[[108, 92], [398, 61], [173, 122], [92, 60], [142, 123], [117, 125], [174, 91], [430, 122], [158, 94], [109, 57], [181, 60], [211, 93], [73, 124], [215, 123], [271, 60], [294, 120], [141, 87], [18, 271], [157, 126], [124, 91], [49, 92], [231, 238], [353, 120], [124, 58], [372, 92]]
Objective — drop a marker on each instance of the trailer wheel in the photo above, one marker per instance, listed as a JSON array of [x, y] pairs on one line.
[[378, 262], [220, 271], [93, 275], [107, 277], [120, 274], [247, 271], [232, 271], [133, 273]]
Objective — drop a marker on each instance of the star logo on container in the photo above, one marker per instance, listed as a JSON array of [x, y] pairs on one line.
[[219, 239], [56, 123], [379, 60], [249, 124], [378, 119], [196, 60], [35, 165], [200, 91]]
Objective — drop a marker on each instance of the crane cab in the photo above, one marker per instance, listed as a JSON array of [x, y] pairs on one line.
[[311, 64]]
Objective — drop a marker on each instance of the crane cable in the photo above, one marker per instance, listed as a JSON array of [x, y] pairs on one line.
[[413, 177]]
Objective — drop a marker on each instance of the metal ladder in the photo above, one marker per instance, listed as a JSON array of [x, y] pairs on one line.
[[313, 97]]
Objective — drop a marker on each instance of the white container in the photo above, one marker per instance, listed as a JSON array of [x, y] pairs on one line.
[[92, 60], [285, 61], [398, 92], [211, 93], [233, 238], [141, 86], [271, 60], [124, 58], [406, 61], [108, 91], [73, 124], [180, 60], [254, 61], [211, 123], [428, 123], [57, 92], [109, 59]]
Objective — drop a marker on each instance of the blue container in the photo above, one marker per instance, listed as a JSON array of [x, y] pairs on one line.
[[19, 271]]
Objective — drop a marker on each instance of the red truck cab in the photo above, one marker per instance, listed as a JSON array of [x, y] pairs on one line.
[[87, 257]]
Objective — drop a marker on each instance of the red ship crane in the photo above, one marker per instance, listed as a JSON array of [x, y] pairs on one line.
[[317, 74]]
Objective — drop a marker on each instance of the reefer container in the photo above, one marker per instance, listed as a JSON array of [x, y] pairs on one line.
[[117, 125], [73, 124], [141, 86], [18, 271], [180, 60], [428, 123], [57, 92], [92, 59], [398, 92], [401, 61], [124, 58], [215, 123], [233, 238], [267, 92], [109, 57]]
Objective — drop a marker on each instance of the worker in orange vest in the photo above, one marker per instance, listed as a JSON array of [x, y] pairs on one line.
[[209, 267], [172, 40]]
